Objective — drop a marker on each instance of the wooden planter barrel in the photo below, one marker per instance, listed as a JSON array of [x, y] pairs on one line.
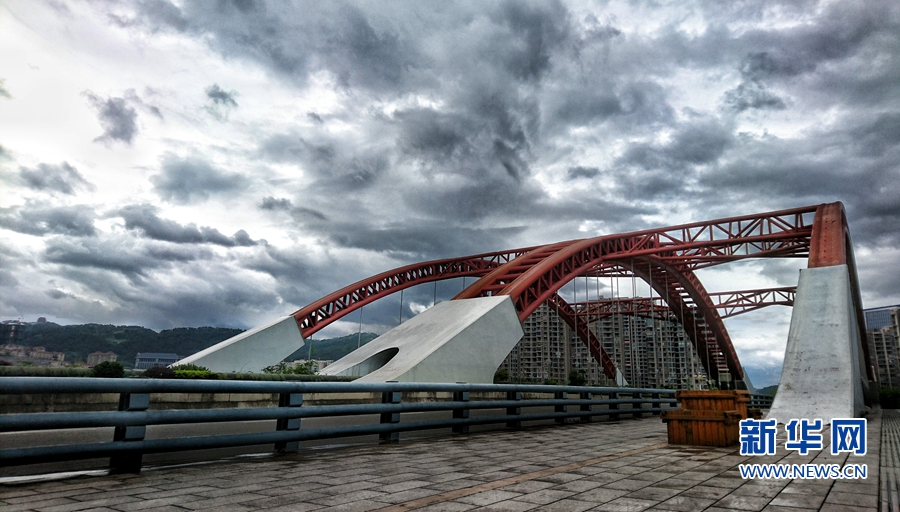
[[707, 418]]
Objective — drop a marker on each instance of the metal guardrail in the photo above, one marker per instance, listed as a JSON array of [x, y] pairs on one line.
[[134, 414]]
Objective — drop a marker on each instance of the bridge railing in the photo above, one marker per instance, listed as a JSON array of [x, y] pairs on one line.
[[511, 405]]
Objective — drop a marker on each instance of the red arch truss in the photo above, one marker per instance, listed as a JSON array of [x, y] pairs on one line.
[[666, 258]]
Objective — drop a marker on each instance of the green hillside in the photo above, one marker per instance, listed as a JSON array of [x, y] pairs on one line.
[[332, 348], [77, 341]]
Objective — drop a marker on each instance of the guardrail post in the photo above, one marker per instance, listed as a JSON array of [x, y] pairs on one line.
[[614, 396], [560, 395], [460, 396], [390, 397], [656, 405], [514, 411], [586, 407], [129, 462], [288, 400], [637, 404]]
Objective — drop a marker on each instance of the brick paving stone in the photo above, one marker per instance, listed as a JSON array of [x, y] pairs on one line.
[[736, 501], [626, 505], [832, 507], [600, 495], [684, 503], [508, 506], [577, 486], [703, 491], [488, 497], [856, 488], [653, 493], [852, 499], [450, 506], [797, 500], [567, 505], [531, 486], [545, 496]]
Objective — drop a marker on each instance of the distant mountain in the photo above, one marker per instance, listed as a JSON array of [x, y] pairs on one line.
[[332, 348], [77, 341], [762, 377]]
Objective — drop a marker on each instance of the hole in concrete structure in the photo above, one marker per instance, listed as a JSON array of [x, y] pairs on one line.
[[373, 362]]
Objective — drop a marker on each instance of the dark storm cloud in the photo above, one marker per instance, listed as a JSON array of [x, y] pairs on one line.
[[336, 166], [144, 218], [335, 36], [41, 219], [581, 172], [421, 240], [127, 257], [752, 95], [221, 97], [118, 118], [223, 102], [62, 178], [192, 180], [299, 212]]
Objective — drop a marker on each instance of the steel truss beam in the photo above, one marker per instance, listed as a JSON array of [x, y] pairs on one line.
[[317, 315], [728, 304]]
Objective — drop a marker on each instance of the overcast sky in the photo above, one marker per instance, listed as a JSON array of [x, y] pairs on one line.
[[225, 163]]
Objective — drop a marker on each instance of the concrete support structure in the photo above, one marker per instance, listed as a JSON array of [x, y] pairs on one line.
[[253, 350], [454, 341], [824, 374]]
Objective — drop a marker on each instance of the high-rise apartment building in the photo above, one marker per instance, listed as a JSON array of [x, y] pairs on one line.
[[650, 352], [883, 333]]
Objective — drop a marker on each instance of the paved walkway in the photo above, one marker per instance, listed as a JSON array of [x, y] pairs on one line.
[[603, 466]]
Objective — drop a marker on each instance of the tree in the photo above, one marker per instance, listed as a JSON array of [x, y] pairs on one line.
[[109, 370], [577, 378], [501, 376]]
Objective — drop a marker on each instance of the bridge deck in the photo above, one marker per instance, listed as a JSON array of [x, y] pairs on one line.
[[624, 465]]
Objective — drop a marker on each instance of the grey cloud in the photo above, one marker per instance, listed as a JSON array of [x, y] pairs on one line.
[[315, 117], [421, 240], [533, 32], [106, 255], [118, 118], [144, 218], [221, 97], [223, 102], [300, 213], [752, 95], [335, 168], [41, 219], [581, 172], [4, 93], [192, 179], [59, 294], [62, 178]]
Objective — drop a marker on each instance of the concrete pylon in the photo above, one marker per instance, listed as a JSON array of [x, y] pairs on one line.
[[823, 375], [461, 340], [253, 350]]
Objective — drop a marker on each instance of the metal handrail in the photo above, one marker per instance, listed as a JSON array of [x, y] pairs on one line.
[[133, 416]]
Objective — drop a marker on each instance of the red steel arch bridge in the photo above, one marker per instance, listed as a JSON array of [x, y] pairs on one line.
[[665, 258]]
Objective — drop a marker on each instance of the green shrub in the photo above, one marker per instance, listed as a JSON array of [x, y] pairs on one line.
[[109, 370], [196, 374], [501, 376], [577, 378], [159, 372], [283, 368], [889, 398]]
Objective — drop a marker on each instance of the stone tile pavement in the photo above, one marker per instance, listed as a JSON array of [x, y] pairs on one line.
[[603, 466]]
